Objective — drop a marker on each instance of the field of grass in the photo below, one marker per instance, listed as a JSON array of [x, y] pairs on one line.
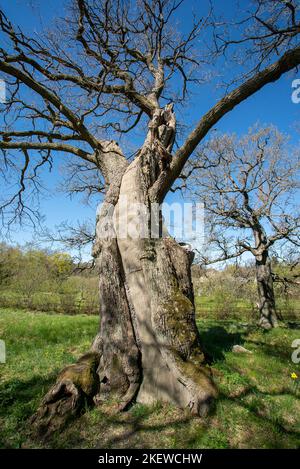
[[234, 308], [258, 405]]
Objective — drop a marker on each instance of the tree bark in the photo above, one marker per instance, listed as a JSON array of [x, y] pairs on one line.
[[265, 288], [158, 275], [148, 345]]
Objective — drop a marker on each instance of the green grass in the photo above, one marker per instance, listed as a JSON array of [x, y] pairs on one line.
[[237, 308], [258, 405]]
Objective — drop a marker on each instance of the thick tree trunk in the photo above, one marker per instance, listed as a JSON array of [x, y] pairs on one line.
[[266, 297], [148, 346], [158, 276]]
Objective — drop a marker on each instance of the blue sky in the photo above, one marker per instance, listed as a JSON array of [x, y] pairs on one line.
[[272, 104]]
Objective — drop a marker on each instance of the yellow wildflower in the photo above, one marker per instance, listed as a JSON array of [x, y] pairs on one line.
[[294, 376]]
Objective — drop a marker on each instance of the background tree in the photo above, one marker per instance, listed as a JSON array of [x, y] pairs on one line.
[[249, 187], [42, 280], [114, 67]]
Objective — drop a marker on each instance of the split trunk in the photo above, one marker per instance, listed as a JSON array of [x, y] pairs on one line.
[[148, 347]]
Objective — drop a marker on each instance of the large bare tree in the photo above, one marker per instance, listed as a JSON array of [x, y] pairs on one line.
[[110, 68], [250, 189]]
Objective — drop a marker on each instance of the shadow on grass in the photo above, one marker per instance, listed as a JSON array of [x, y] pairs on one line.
[[256, 408], [293, 325], [136, 425], [18, 401], [216, 340], [280, 352], [143, 426], [21, 392]]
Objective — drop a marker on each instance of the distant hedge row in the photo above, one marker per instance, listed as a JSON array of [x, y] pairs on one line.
[[82, 300], [45, 281]]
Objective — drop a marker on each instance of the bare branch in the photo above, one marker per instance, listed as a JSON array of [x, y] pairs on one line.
[[270, 74]]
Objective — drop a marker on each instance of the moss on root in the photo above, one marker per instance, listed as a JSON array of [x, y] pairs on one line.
[[83, 373]]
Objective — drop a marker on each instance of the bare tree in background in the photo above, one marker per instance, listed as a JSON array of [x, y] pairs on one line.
[[112, 68], [250, 189]]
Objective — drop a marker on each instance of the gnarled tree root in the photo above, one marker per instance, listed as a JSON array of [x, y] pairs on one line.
[[75, 388]]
